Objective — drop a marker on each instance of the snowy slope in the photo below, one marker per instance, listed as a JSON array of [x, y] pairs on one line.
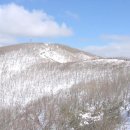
[[29, 71]]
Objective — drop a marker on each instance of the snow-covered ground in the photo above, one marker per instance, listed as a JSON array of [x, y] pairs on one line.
[[29, 72], [126, 125], [125, 114], [32, 71]]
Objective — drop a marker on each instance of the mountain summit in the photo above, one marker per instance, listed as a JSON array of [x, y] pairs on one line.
[[49, 52]]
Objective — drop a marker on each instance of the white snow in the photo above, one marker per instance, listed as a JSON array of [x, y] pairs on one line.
[[125, 115], [42, 120], [53, 56], [88, 118], [23, 79], [56, 54]]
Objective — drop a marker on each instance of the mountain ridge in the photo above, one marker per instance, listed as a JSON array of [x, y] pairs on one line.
[[16, 47]]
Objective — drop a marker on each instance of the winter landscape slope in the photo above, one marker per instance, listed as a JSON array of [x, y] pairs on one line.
[[30, 72], [27, 63]]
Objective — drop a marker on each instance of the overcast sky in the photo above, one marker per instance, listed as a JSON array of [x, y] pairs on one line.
[[101, 27]]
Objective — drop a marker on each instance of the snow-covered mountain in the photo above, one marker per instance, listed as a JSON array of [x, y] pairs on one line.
[[30, 63], [29, 71], [38, 79]]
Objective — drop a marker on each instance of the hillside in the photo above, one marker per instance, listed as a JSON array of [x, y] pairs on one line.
[[35, 64], [33, 73]]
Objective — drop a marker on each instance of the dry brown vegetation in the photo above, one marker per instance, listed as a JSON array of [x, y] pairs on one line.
[[99, 89], [62, 111]]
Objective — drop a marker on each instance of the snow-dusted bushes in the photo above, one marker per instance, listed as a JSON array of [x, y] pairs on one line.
[[94, 105], [43, 94]]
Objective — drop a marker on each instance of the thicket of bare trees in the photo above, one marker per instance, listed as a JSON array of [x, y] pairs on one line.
[[37, 93], [93, 105]]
